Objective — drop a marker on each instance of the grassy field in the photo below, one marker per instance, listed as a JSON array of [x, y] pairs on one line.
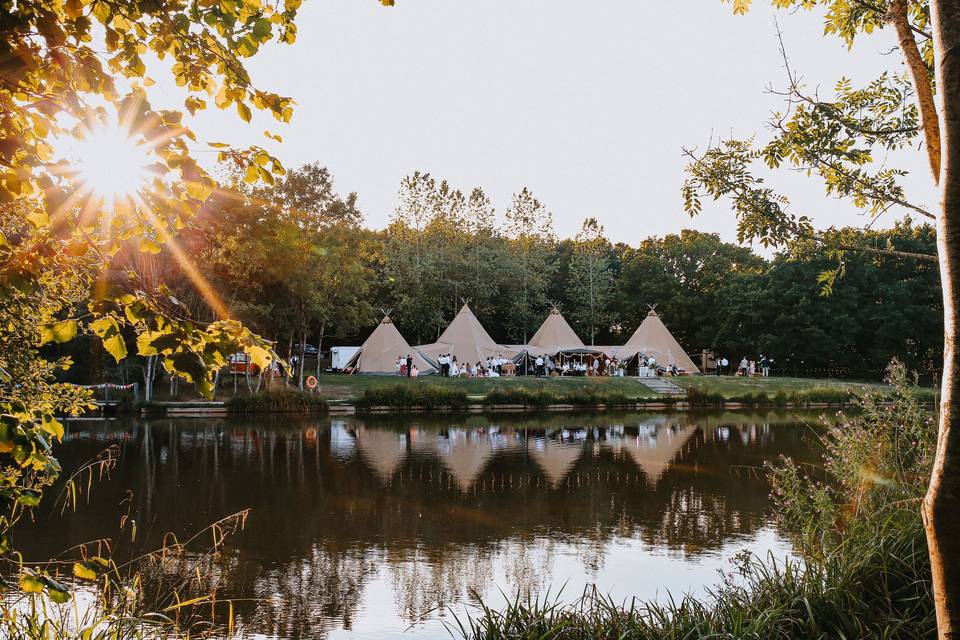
[[337, 387]]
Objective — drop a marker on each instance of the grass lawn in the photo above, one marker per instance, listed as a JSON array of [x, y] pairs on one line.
[[339, 387], [732, 386]]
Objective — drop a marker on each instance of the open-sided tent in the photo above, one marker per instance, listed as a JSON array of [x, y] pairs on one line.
[[378, 355], [466, 339], [555, 334], [652, 338]]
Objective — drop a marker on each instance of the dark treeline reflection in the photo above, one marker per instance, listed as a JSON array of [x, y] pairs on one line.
[[428, 502]]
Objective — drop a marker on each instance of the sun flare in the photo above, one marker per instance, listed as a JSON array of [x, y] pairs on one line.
[[111, 164]]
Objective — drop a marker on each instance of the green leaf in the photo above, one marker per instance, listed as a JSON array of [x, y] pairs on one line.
[[29, 583], [115, 346], [84, 572], [52, 426], [149, 246], [38, 219], [63, 331], [260, 356]]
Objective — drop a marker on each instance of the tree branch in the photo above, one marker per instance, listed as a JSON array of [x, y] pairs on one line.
[[929, 118]]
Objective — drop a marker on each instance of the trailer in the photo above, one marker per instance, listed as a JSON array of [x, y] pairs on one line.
[[340, 356]]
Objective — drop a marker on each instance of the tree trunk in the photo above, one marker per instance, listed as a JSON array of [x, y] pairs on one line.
[[323, 329], [286, 377], [941, 505], [303, 353], [148, 378]]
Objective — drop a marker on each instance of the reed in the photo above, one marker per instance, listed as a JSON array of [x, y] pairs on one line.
[[282, 401]]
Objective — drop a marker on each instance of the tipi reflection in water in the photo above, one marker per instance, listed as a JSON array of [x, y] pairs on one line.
[[655, 446], [382, 449], [555, 458]]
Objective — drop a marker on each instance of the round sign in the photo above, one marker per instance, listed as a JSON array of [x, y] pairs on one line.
[[312, 382]]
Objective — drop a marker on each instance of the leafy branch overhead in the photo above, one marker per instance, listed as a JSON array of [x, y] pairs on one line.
[[68, 70], [844, 139]]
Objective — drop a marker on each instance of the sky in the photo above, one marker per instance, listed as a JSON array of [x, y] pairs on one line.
[[587, 104]]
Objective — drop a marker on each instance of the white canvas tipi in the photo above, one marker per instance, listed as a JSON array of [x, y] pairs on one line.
[[466, 339], [554, 335], [652, 338], [378, 355]]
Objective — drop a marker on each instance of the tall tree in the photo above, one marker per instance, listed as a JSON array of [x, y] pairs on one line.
[[838, 140], [529, 227], [404, 252], [591, 278]]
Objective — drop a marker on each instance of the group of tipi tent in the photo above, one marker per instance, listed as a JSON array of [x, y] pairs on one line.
[[467, 340]]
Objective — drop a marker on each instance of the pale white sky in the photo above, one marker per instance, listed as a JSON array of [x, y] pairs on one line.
[[587, 104]]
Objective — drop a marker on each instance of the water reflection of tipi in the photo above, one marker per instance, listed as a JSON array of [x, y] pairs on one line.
[[465, 454], [382, 449], [655, 447], [556, 459]]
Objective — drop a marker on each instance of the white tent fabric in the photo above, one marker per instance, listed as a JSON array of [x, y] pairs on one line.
[[379, 353], [555, 334], [466, 339], [652, 338]]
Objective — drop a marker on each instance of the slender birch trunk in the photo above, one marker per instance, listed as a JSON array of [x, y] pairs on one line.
[[323, 329], [303, 352], [941, 505]]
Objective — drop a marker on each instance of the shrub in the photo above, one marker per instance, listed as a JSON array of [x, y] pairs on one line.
[[409, 396], [283, 401]]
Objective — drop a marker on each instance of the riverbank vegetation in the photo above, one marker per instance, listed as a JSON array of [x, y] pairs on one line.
[[277, 401], [862, 569]]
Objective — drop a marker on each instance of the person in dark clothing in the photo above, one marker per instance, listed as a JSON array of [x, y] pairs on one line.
[[409, 364]]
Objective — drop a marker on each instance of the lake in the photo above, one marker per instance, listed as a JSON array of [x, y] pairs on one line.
[[377, 527]]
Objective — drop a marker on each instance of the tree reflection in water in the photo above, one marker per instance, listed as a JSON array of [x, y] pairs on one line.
[[428, 508]]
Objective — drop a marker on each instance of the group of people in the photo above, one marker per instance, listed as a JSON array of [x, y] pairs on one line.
[[747, 367], [405, 367], [579, 367], [450, 367]]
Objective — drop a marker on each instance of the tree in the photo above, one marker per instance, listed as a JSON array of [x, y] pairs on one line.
[[404, 252], [484, 255], [70, 69], [591, 278], [529, 227], [837, 140]]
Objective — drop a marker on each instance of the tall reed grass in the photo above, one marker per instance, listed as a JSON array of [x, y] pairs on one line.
[[282, 401]]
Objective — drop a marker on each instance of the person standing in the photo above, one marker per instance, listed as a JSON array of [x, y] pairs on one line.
[[764, 366], [719, 365], [539, 364], [409, 364]]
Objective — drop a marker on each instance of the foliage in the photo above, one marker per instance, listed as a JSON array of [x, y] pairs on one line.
[[404, 397], [591, 278], [281, 401], [542, 397], [844, 139], [70, 71]]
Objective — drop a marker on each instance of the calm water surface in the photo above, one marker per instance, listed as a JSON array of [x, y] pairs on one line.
[[380, 527]]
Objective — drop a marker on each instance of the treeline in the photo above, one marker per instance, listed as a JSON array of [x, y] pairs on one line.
[[294, 261]]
